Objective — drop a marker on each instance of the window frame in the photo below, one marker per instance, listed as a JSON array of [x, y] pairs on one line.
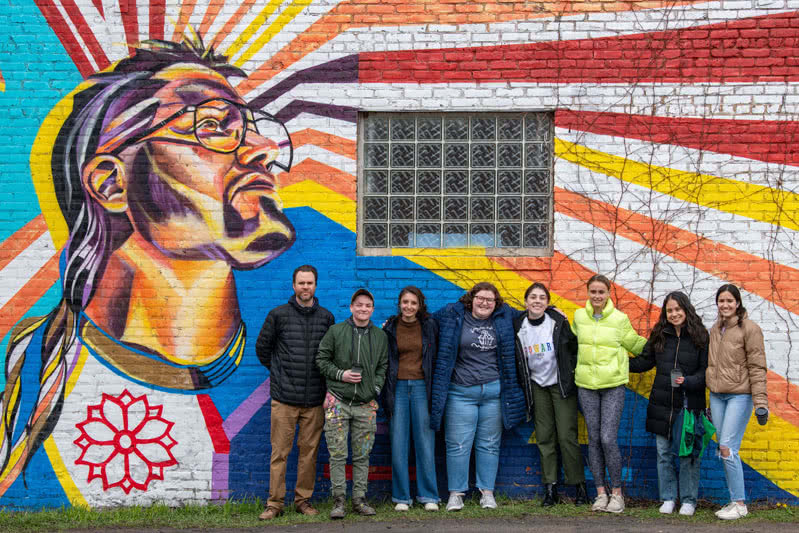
[[500, 251]]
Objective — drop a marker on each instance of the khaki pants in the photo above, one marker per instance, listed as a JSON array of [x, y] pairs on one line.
[[359, 423], [285, 418]]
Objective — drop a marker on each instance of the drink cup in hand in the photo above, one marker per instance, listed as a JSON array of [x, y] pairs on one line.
[[675, 375]]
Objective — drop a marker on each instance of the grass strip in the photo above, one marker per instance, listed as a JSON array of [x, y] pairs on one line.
[[245, 515]]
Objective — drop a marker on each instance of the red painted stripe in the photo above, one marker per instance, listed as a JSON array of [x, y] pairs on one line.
[[64, 34], [382, 473], [130, 22], [157, 14], [86, 33], [757, 49], [764, 140], [213, 421], [99, 5]]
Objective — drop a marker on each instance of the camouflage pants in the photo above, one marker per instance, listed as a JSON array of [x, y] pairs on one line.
[[359, 422]]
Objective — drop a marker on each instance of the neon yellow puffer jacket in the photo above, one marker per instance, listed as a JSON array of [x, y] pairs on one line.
[[602, 359]]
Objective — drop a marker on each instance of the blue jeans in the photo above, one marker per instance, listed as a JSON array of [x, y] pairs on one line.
[[411, 413], [731, 414], [667, 476], [474, 417]]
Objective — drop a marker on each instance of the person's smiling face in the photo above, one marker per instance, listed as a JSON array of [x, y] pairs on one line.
[[598, 294], [536, 303], [196, 203], [727, 305], [483, 304], [409, 306], [361, 309], [675, 314]]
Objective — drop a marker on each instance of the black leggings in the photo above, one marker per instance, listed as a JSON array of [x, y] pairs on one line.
[[602, 411]]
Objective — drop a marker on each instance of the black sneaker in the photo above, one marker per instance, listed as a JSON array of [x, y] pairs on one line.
[[339, 509], [360, 506], [551, 497]]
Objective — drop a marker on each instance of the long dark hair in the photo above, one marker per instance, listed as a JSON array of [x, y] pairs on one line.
[[732, 289], [94, 233], [468, 298], [693, 323], [421, 313]]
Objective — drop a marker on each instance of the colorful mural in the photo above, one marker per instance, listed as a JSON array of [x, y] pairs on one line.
[[143, 238]]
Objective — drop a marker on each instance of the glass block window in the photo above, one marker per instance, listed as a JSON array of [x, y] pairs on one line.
[[451, 180]]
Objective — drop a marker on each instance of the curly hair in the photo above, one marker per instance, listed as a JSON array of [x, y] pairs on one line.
[[421, 313], [693, 323], [468, 298]]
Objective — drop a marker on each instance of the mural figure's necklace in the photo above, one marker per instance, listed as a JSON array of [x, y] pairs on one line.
[[153, 370]]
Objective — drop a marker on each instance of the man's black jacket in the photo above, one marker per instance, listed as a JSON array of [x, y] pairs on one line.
[[287, 346]]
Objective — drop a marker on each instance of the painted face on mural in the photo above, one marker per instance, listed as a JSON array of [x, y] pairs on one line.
[[195, 203]]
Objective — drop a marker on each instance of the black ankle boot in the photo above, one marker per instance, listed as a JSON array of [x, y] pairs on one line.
[[551, 497], [580, 494]]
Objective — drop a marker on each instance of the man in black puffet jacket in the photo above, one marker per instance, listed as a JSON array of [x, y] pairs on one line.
[[287, 346]]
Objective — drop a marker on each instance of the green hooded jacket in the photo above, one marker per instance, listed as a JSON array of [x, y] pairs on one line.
[[602, 358], [341, 348]]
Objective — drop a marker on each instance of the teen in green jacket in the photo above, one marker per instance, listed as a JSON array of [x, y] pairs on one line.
[[353, 358], [604, 336]]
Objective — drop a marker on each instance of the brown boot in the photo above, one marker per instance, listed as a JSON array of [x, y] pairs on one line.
[[306, 509], [270, 513]]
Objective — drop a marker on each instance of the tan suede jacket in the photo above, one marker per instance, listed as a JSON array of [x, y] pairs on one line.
[[737, 361]]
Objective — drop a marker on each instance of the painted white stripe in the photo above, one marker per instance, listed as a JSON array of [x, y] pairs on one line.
[[22, 268], [75, 32], [774, 175], [719, 101], [757, 238], [631, 266], [332, 159]]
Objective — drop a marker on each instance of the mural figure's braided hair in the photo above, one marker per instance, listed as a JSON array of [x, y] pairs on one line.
[[93, 234]]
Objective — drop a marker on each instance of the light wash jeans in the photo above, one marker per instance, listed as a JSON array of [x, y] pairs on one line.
[[411, 413], [731, 414], [667, 452], [474, 417]]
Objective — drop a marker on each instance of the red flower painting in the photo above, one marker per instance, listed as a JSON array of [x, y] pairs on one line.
[[125, 442]]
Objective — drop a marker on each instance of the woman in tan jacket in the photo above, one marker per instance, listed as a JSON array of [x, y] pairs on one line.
[[736, 377]]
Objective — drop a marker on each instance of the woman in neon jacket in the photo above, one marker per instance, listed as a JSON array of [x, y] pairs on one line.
[[604, 336]]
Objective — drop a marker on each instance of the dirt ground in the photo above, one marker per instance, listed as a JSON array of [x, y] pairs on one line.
[[598, 524]]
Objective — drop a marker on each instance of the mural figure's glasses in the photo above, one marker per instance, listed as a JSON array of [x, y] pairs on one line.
[[221, 125]]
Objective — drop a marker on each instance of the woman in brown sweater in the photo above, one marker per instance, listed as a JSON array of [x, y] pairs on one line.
[[412, 347], [736, 377]]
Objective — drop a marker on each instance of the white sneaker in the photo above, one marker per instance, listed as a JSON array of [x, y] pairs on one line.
[[487, 500], [734, 512], [725, 508], [687, 509], [431, 506], [402, 507], [667, 507], [455, 502], [615, 504], [600, 503]]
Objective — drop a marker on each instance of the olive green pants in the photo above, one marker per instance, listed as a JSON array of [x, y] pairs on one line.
[[556, 424]]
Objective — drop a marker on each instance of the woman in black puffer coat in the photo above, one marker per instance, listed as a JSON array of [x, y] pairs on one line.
[[679, 341]]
